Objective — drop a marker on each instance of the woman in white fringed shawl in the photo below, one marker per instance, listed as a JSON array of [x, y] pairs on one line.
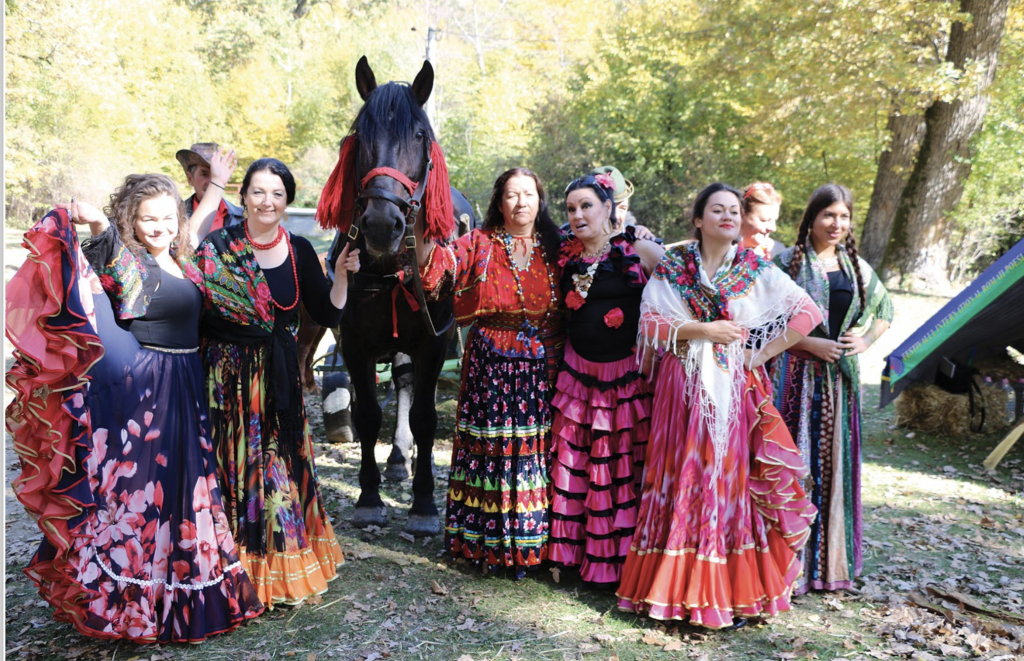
[[722, 514]]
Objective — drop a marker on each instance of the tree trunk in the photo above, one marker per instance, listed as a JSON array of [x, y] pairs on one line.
[[894, 168], [919, 251]]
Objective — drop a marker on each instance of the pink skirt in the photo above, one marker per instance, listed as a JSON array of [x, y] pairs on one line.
[[599, 439]]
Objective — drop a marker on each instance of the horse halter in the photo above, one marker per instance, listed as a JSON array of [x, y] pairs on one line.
[[410, 206]]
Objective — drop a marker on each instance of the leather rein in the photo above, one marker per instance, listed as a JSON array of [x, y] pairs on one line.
[[411, 207]]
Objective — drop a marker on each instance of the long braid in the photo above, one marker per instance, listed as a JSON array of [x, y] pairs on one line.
[[798, 249], [851, 250]]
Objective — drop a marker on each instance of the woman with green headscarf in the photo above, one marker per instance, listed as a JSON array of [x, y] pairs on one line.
[[818, 381]]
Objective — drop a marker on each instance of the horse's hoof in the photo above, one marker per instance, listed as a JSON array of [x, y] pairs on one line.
[[370, 516], [396, 472], [423, 525]]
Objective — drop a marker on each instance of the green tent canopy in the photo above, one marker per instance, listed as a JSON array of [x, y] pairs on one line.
[[984, 319]]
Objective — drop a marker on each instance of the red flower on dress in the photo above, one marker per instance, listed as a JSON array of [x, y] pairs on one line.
[[569, 250], [209, 267], [574, 300], [614, 318]]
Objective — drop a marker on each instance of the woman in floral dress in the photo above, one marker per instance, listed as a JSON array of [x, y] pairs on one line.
[[722, 513], [256, 274], [505, 281], [601, 400], [112, 427]]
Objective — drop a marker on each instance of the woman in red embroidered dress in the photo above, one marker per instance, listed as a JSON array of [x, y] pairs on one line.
[[505, 281], [602, 403], [722, 514]]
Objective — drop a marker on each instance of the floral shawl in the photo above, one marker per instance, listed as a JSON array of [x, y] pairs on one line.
[[747, 290], [129, 279], [236, 288], [814, 280]]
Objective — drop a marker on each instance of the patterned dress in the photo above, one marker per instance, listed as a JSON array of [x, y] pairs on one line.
[[820, 403], [602, 415], [498, 487], [260, 433], [722, 514], [113, 436]]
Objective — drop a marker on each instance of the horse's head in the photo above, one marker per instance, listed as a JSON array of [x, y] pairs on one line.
[[393, 144]]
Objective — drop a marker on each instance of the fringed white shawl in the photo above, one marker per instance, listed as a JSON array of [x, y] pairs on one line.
[[748, 290]]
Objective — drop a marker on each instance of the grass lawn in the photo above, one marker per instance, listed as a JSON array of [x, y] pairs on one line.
[[933, 517]]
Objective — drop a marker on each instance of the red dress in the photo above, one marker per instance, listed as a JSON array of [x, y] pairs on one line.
[[498, 487]]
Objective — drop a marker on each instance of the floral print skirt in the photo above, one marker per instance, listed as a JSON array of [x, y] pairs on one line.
[[708, 549], [271, 492], [117, 466], [498, 487]]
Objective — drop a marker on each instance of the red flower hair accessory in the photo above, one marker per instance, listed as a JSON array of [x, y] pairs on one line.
[[614, 318], [574, 300], [605, 180]]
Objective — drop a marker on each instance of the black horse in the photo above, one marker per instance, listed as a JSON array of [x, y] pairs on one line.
[[386, 311]]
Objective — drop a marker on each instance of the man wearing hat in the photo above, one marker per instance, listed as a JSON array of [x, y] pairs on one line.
[[621, 193], [196, 162]]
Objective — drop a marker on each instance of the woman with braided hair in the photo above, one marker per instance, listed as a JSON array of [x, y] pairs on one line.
[[818, 381]]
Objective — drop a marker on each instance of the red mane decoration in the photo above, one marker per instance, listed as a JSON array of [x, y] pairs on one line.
[[338, 198]]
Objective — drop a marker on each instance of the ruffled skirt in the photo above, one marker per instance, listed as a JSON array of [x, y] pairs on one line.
[[709, 550], [599, 436], [118, 472]]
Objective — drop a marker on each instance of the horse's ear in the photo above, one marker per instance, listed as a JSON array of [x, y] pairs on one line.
[[424, 83], [366, 82]]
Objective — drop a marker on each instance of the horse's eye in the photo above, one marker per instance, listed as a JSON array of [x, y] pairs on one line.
[[420, 134]]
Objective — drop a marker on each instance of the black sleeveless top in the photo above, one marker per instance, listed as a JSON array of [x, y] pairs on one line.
[[840, 297], [172, 317], [594, 328]]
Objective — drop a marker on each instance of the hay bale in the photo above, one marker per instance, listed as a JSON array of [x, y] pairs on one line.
[[930, 409]]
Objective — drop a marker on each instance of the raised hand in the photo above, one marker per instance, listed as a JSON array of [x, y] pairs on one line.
[[83, 213], [222, 166]]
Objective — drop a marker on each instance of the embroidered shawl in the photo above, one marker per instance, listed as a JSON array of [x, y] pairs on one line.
[[748, 290], [236, 288], [128, 278]]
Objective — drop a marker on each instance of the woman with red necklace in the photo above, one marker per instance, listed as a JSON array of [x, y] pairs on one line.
[[256, 274]]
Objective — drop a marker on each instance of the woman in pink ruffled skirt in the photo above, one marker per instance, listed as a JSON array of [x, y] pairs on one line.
[[602, 403]]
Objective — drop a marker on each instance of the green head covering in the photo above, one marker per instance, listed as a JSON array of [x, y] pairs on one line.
[[623, 188]]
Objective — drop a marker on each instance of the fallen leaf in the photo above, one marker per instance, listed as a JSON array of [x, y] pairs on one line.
[[589, 648], [674, 646], [437, 588], [556, 574], [652, 639]]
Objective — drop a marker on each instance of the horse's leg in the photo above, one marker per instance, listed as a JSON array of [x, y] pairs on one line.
[[400, 462], [366, 416], [423, 515], [309, 336]]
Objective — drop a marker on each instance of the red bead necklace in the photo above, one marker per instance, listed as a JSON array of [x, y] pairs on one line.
[[265, 246], [291, 256]]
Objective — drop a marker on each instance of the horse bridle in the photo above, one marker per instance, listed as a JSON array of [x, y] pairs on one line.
[[411, 207]]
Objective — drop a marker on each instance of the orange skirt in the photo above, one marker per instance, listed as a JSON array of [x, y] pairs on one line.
[[707, 549]]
